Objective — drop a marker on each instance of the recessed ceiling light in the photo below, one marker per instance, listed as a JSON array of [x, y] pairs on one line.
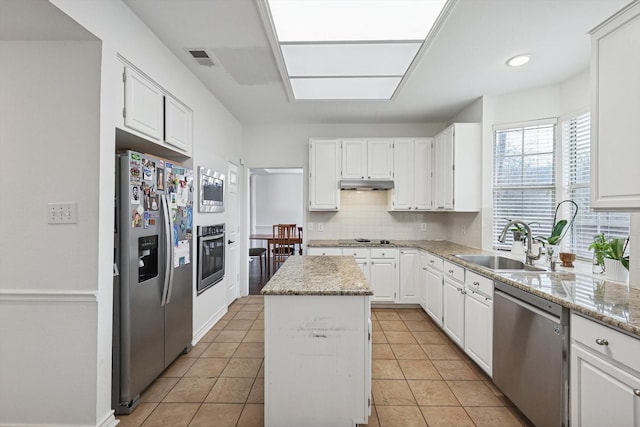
[[518, 60]]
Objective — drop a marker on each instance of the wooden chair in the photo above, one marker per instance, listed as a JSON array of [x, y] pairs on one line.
[[284, 236], [300, 236], [259, 252]]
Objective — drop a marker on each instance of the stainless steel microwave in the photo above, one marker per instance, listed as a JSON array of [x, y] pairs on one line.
[[211, 191]]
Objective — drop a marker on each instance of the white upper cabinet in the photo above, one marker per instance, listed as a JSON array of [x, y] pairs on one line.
[[615, 100], [412, 181], [354, 159], [178, 123], [367, 159], [380, 159], [324, 175], [153, 114], [143, 105], [457, 170]]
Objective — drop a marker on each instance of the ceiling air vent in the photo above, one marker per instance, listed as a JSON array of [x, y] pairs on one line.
[[201, 57]]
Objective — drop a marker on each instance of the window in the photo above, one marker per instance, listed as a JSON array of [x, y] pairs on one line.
[[524, 185], [576, 132]]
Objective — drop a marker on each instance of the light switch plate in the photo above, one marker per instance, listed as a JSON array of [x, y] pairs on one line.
[[310, 226], [62, 213], [320, 226], [423, 226]]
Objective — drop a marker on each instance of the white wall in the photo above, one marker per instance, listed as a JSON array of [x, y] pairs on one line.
[[277, 199], [49, 139]]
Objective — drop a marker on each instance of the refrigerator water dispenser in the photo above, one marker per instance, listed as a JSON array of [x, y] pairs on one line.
[[147, 258]]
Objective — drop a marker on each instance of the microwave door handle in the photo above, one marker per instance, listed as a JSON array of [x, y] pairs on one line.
[[171, 254], [167, 255]]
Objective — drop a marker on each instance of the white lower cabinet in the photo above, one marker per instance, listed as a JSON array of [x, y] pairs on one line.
[[478, 320], [362, 257], [605, 376], [383, 276], [409, 275], [434, 283], [453, 310], [422, 280]]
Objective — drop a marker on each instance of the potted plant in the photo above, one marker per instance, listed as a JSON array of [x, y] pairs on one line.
[[560, 227], [610, 256]]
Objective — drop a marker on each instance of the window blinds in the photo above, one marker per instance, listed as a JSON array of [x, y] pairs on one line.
[[576, 139], [524, 179]]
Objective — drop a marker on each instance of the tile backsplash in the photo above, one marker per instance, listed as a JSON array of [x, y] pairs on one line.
[[364, 214]]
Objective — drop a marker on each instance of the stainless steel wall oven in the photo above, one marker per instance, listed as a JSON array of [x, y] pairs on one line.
[[210, 256]]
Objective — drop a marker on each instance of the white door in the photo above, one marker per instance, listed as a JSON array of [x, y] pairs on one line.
[[434, 295], [453, 311], [380, 159], [383, 281], [233, 234], [403, 174], [354, 159]]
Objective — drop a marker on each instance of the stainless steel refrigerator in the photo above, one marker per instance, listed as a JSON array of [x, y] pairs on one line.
[[153, 283]]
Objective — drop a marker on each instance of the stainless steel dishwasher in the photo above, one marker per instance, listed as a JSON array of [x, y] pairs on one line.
[[531, 354]]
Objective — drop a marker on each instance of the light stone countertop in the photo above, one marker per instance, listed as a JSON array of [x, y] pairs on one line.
[[612, 303], [318, 275]]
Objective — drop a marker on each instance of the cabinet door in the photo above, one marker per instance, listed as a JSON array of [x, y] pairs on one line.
[[601, 393], [324, 251], [363, 263], [178, 124], [434, 295], [478, 330], [354, 159], [438, 171], [615, 67], [383, 279], [447, 167], [380, 159], [144, 105], [422, 173], [409, 268], [453, 311], [422, 281], [402, 196], [324, 175]]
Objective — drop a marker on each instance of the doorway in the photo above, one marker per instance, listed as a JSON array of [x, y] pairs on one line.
[[275, 197]]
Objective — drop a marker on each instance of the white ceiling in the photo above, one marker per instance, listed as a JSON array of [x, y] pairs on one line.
[[465, 61]]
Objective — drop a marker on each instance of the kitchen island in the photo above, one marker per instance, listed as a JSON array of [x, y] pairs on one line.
[[317, 343]]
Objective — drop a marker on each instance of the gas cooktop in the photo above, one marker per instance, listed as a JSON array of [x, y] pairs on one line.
[[363, 242]]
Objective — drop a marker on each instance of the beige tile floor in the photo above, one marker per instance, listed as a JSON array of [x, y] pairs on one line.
[[419, 377]]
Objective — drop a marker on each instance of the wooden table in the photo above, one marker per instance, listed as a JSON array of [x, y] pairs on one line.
[[270, 242]]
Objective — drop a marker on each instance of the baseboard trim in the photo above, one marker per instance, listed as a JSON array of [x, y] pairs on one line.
[[108, 421], [36, 295], [197, 336]]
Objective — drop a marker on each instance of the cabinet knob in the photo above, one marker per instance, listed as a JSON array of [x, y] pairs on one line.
[[431, 262], [382, 253], [602, 341], [636, 392], [424, 268], [362, 177], [450, 271], [476, 283]]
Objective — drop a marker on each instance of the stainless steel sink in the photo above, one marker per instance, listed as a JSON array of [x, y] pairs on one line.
[[498, 263]]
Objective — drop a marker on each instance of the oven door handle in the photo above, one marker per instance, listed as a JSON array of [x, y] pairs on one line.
[[208, 238], [168, 251], [171, 237]]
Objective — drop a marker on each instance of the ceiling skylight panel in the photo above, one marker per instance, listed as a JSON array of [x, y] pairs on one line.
[[353, 20], [345, 88], [356, 59]]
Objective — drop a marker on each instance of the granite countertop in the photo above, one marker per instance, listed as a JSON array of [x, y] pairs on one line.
[[318, 275], [612, 303]]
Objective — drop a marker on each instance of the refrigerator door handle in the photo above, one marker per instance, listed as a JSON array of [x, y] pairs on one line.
[[171, 237], [168, 243]]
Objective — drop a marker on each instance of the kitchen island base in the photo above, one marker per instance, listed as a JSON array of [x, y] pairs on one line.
[[317, 360]]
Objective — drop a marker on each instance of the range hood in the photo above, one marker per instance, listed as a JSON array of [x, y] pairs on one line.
[[361, 184]]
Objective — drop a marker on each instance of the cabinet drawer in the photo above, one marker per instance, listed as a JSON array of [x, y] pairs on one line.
[[616, 345], [434, 262], [384, 253], [356, 252], [479, 283], [454, 271], [325, 251]]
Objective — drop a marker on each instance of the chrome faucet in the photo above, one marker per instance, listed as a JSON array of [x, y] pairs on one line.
[[529, 254]]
